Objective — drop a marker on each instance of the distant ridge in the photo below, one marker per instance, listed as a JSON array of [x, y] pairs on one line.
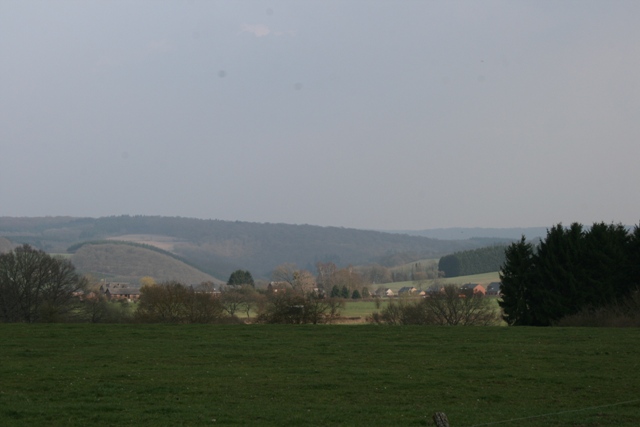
[[218, 247], [461, 233]]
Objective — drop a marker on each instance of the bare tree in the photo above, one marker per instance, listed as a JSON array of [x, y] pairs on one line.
[[304, 281], [232, 300], [284, 273], [36, 287], [173, 302], [95, 307], [294, 306], [379, 274], [299, 280], [349, 278], [454, 306], [335, 305], [326, 275]]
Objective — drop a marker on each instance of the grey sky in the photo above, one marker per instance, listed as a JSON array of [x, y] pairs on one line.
[[365, 114]]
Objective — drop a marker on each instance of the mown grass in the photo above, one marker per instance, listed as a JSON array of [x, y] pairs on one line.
[[78, 375], [362, 308]]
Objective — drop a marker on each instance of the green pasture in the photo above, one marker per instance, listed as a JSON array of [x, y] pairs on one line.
[[158, 375], [483, 279], [361, 308]]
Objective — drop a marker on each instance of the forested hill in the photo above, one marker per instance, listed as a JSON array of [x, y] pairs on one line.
[[219, 247], [475, 261], [494, 235]]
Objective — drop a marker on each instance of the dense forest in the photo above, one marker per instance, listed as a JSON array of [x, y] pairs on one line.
[[476, 261]]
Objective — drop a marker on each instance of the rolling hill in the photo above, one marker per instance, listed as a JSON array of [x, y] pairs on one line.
[[128, 263], [219, 247]]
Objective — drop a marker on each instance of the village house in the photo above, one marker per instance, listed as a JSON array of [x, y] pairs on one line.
[[384, 292], [494, 288], [407, 290], [275, 287], [205, 288], [120, 291], [474, 287]]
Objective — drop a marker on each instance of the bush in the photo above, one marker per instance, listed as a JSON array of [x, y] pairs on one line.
[[95, 307], [295, 307], [450, 307], [173, 302], [617, 315]]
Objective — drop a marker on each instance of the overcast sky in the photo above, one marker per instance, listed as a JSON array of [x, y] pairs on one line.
[[365, 114]]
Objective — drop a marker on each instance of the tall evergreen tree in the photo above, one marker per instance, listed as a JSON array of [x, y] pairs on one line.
[[516, 276], [634, 259], [344, 292], [572, 269], [449, 265], [559, 275], [605, 258], [335, 292]]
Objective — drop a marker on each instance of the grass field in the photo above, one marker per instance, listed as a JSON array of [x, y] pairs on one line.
[[483, 279], [364, 309], [361, 308], [125, 375]]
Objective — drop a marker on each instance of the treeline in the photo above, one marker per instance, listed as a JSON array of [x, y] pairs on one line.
[[573, 272], [76, 246], [476, 261], [36, 287], [448, 306]]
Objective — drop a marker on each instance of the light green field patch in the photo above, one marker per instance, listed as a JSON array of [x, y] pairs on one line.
[[362, 309]]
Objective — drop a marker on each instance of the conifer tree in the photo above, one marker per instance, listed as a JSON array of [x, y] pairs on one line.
[[516, 276], [572, 270]]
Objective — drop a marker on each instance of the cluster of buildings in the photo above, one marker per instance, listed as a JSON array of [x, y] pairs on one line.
[[492, 289], [120, 291], [127, 292]]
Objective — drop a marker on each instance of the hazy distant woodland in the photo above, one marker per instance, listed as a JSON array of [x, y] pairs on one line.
[[217, 248]]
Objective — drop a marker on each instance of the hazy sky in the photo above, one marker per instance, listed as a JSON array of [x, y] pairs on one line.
[[365, 114]]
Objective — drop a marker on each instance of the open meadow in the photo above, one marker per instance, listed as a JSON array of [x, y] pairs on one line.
[[482, 279], [126, 375]]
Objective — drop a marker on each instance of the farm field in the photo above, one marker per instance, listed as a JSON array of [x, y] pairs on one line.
[[78, 375], [361, 308], [483, 279]]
